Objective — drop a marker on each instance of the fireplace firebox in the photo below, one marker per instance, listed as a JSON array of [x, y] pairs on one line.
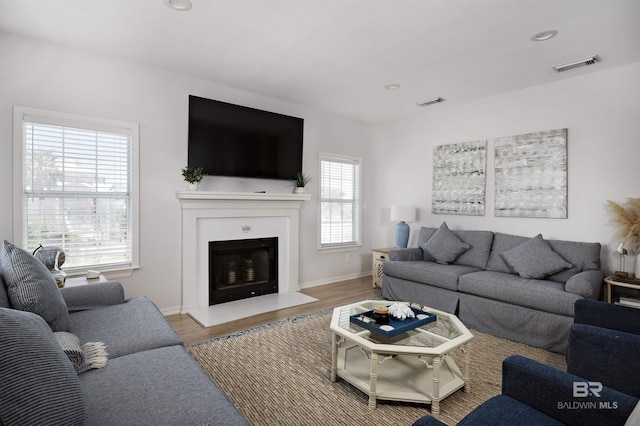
[[239, 269]]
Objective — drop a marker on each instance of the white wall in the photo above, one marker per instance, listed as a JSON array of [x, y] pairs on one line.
[[54, 77], [602, 113]]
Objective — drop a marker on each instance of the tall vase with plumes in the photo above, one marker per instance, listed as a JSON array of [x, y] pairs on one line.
[[637, 268], [403, 214]]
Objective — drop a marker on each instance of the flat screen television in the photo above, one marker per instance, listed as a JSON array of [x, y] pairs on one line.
[[234, 140]]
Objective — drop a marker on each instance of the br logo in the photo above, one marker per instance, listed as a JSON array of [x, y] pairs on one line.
[[585, 389]]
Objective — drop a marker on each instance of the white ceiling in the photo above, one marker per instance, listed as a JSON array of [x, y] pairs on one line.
[[337, 55]]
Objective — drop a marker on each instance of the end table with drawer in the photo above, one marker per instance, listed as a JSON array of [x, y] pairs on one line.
[[380, 255]]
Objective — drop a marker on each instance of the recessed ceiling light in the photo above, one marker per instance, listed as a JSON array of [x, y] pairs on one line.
[[181, 5], [544, 35], [392, 86]]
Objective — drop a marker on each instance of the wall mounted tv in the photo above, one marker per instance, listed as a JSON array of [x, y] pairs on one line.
[[233, 140]]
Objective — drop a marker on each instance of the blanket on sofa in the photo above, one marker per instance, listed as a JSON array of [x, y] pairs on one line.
[[84, 358]]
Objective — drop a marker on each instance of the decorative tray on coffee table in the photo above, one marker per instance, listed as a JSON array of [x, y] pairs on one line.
[[366, 320]]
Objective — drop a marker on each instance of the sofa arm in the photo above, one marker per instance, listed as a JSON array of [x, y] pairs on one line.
[[615, 363], [90, 296], [587, 284], [607, 315], [404, 254], [552, 391]]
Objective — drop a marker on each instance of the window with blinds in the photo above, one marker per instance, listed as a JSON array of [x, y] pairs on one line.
[[339, 201], [78, 190]]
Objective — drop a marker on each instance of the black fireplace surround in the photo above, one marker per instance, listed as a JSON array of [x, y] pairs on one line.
[[239, 269]]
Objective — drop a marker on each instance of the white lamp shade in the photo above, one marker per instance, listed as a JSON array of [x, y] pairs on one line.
[[403, 213]]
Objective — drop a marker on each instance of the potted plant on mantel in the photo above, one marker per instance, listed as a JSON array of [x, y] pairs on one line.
[[300, 182], [193, 175]]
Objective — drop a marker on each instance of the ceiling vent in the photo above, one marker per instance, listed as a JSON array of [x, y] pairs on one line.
[[430, 102], [590, 60]]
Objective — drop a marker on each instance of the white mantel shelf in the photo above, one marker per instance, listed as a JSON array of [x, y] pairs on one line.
[[240, 196]]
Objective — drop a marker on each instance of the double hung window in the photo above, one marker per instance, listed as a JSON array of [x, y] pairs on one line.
[[76, 187], [340, 210]]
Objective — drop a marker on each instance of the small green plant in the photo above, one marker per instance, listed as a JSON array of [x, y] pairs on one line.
[[193, 174], [302, 180]]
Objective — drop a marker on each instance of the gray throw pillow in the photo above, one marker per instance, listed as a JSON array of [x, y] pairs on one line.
[[535, 259], [444, 245], [31, 287], [38, 384]]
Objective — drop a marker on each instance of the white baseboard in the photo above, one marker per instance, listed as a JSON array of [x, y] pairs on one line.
[[170, 311], [332, 280]]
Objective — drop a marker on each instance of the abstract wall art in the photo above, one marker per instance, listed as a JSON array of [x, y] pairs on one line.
[[459, 178], [531, 175]]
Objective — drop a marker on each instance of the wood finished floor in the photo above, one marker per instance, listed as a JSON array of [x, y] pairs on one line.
[[329, 295]]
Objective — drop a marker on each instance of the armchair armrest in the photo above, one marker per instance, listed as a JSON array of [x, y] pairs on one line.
[[412, 253], [90, 296], [587, 284], [615, 363], [607, 315], [552, 391]]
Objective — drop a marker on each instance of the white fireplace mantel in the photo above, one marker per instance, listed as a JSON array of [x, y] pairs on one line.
[[217, 216]]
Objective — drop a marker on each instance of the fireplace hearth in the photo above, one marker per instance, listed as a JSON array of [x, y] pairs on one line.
[[240, 269]]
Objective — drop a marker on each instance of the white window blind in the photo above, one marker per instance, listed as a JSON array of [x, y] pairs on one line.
[[77, 191], [339, 201]]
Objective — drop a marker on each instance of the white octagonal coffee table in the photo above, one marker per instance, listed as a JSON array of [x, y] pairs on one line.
[[413, 366]]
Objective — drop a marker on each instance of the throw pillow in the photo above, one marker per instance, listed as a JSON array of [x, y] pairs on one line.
[[38, 384], [444, 245], [535, 259], [31, 287]]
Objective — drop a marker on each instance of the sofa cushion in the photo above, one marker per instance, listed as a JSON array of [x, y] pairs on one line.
[[444, 245], [133, 326], [501, 243], [480, 248], [38, 384], [423, 237], [31, 287], [583, 256], [503, 410], [535, 259], [157, 387], [432, 273], [543, 295]]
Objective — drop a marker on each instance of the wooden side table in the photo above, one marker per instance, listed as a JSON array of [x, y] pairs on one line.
[[613, 281], [380, 256]]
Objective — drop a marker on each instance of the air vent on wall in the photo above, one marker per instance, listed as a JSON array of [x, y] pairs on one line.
[[590, 60], [430, 102]]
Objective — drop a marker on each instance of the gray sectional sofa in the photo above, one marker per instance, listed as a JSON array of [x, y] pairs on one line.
[[515, 287], [148, 379]]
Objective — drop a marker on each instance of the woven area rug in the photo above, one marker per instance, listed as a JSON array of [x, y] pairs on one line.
[[279, 374]]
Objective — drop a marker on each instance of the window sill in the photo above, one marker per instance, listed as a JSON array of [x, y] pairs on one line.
[[339, 249]]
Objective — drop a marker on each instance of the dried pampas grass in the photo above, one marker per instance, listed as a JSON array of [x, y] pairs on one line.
[[627, 217]]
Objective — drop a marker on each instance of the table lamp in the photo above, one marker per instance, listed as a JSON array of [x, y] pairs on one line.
[[402, 214]]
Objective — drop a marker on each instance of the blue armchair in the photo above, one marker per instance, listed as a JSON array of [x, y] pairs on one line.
[[601, 385]]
